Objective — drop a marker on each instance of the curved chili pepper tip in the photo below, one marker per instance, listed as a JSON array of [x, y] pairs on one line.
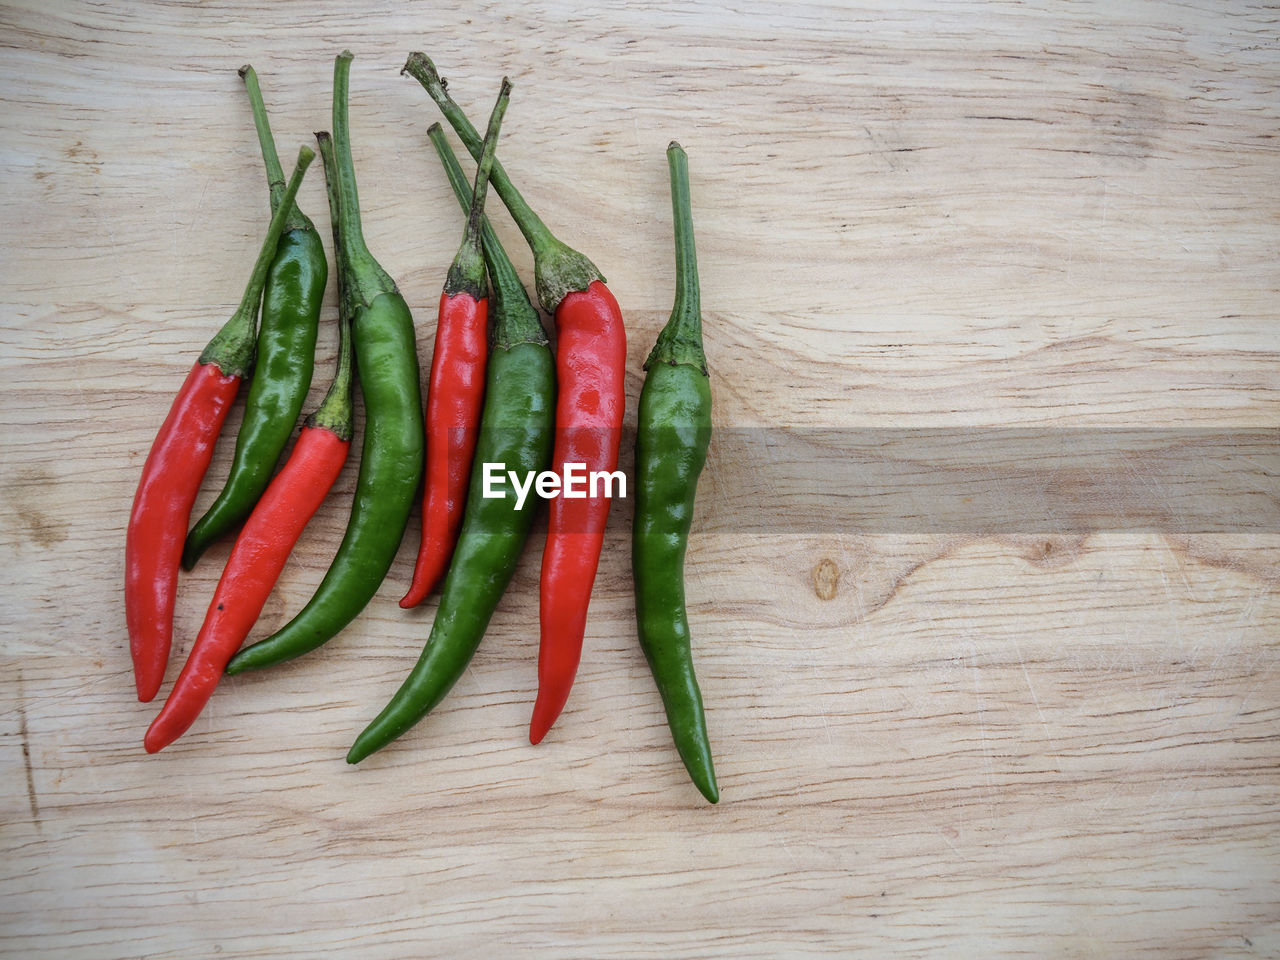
[[544, 717]]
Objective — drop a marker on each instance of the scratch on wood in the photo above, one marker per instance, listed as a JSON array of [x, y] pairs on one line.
[[26, 755]]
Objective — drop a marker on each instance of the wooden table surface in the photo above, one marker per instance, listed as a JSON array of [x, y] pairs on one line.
[[932, 739]]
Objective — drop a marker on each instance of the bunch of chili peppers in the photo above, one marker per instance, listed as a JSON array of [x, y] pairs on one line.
[[495, 393]]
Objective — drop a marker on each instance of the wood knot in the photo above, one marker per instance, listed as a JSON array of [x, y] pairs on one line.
[[826, 575]]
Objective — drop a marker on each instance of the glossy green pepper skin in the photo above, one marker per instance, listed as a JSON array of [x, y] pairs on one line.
[[673, 432], [392, 452], [285, 354], [672, 436], [517, 431]]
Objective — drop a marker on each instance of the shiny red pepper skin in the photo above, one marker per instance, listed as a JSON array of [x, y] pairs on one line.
[[455, 398], [591, 354], [171, 479], [251, 572]]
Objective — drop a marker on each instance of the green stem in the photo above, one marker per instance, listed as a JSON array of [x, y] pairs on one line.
[[515, 318], [270, 160], [334, 412], [275, 172], [466, 273], [366, 276], [420, 67], [348, 196], [487, 156], [346, 302], [559, 269], [232, 347], [688, 305], [681, 339]]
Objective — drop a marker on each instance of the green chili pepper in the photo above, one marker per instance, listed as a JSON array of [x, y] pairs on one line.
[[672, 435], [516, 431], [392, 454], [285, 353]]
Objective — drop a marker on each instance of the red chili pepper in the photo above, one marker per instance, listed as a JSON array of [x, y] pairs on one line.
[[591, 357], [255, 563], [177, 463], [170, 481], [455, 396], [455, 391]]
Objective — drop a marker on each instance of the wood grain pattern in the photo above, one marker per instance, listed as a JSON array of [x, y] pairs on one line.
[[953, 215]]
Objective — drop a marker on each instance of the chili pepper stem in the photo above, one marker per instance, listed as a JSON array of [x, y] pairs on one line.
[[366, 277], [346, 302], [558, 269], [275, 173], [334, 412], [232, 347], [467, 272], [681, 339]]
